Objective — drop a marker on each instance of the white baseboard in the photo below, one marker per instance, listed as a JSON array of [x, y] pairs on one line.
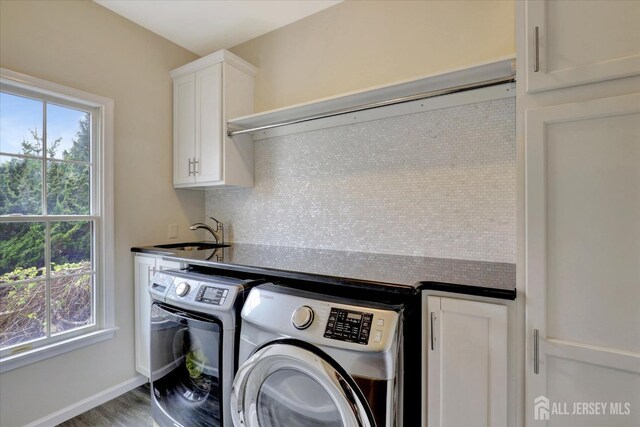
[[90, 402]]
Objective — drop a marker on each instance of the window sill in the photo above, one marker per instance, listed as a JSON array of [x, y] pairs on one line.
[[14, 361]]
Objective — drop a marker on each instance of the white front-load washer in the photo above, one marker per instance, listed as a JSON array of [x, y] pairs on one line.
[[307, 359], [193, 337]]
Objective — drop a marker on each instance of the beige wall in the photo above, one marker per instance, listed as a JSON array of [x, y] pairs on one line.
[[358, 44], [85, 46]]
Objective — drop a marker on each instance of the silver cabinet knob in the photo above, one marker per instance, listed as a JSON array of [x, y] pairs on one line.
[[302, 317], [182, 289]]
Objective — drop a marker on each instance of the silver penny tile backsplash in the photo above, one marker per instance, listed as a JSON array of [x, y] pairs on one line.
[[437, 184]]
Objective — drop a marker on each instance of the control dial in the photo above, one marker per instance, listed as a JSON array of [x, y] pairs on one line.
[[302, 317], [182, 289]]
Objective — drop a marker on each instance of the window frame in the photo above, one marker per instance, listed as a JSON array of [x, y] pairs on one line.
[[101, 214]]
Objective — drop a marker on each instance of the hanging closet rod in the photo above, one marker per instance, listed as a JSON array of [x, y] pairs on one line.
[[394, 101]]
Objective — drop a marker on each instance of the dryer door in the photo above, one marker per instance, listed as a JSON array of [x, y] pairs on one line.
[[284, 384]]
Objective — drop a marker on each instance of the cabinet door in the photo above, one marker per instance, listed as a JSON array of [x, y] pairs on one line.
[[583, 260], [184, 136], [209, 136], [466, 350], [581, 42], [144, 267]]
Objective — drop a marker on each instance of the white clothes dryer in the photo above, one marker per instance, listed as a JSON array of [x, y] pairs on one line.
[[307, 359]]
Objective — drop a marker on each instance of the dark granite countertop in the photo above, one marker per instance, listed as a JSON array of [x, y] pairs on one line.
[[395, 273]]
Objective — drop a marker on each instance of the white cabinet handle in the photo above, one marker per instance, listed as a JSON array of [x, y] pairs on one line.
[[191, 163], [536, 51], [195, 169], [536, 351]]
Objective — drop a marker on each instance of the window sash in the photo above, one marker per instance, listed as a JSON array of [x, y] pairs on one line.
[[95, 238], [95, 217]]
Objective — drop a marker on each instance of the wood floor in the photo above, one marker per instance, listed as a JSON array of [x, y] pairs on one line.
[[132, 409]]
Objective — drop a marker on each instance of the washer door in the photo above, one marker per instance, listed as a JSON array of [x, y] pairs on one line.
[[287, 385]]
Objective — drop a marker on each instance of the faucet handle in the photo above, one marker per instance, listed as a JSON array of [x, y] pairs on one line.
[[218, 223], [219, 229]]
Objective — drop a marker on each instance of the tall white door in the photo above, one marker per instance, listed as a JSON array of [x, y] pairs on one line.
[[583, 262], [466, 358], [576, 42]]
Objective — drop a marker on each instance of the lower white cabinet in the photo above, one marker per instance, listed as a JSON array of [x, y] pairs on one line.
[[145, 266], [466, 363]]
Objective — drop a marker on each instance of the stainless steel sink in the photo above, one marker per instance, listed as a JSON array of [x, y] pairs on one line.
[[192, 246]]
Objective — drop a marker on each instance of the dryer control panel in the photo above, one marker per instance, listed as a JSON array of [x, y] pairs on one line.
[[348, 325], [329, 324]]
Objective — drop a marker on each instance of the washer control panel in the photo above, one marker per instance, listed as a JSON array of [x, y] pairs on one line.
[[212, 295], [196, 291], [349, 326]]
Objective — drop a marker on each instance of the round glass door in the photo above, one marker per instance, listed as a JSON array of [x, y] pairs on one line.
[[292, 398], [285, 385], [185, 364]]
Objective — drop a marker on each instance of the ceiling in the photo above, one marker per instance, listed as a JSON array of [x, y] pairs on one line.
[[204, 26]]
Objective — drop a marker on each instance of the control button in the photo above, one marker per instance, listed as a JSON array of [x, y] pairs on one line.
[[380, 322], [302, 317], [222, 301], [182, 289], [378, 336], [226, 291]]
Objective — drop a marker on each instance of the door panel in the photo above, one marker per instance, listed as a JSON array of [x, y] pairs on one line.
[[571, 381], [209, 124], [593, 231], [466, 363], [143, 270], [184, 138], [583, 262], [581, 42]]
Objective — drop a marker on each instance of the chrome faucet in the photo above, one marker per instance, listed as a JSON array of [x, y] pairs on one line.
[[217, 233]]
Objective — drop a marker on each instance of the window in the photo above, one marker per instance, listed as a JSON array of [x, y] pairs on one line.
[[56, 233]]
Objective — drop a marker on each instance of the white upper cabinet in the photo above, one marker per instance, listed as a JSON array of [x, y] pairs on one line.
[[206, 93], [575, 42]]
